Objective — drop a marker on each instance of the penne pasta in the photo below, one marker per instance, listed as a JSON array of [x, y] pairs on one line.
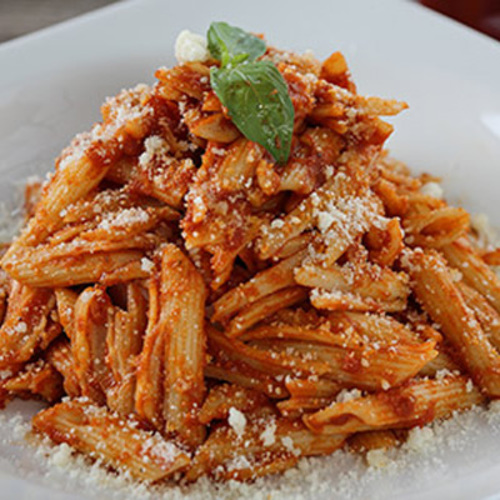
[[367, 368], [182, 299], [413, 404], [475, 272], [119, 443], [265, 307], [123, 344], [38, 379], [190, 302], [223, 397], [436, 290], [27, 326], [59, 355], [285, 437], [93, 316], [149, 394], [263, 284]]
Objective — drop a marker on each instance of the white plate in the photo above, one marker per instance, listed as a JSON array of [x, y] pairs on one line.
[[52, 83]]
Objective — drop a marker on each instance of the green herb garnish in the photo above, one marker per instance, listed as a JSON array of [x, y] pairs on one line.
[[254, 92]]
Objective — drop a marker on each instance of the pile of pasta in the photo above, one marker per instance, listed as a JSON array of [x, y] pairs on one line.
[[188, 307]]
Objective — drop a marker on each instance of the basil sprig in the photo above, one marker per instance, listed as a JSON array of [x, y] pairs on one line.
[[254, 92], [229, 44]]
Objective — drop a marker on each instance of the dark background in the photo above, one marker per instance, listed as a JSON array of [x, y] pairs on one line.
[[18, 17]]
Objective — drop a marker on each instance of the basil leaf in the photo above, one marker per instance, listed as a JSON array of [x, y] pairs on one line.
[[226, 43], [258, 102]]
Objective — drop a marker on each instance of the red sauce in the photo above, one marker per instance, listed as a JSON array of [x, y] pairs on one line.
[[402, 404]]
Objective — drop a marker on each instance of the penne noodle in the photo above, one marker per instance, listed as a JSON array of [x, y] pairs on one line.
[[346, 301], [285, 437], [182, 299], [367, 368], [263, 284], [396, 203], [475, 272], [81, 269], [247, 377], [119, 443], [262, 360], [385, 245], [302, 218], [66, 300], [416, 403], [265, 307], [372, 329], [59, 355], [295, 407], [149, 394], [436, 228], [442, 361], [319, 388], [93, 315], [38, 379], [223, 397], [123, 344], [293, 246], [487, 316], [436, 290], [376, 283], [27, 326]]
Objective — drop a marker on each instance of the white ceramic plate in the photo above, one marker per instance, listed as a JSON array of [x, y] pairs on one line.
[[52, 83]]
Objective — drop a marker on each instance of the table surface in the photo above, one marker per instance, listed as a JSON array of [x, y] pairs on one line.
[[18, 17]]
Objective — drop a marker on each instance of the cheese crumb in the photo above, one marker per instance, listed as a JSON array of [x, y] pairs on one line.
[[432, 189], [21, 327], [494, 406], [146, 265], [385, 385], [288, 443], [62, 455], [190, 47], [486, 234], [347, 395], [420, 438], [377, 458], [268, 436], [237, 421], [443, 373]]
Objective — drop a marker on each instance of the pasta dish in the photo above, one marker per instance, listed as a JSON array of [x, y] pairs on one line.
[[229, 272]]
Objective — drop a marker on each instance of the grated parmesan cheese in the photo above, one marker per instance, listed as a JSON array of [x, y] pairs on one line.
[[125, 218], [154, 146], [288, 443], [443, 373], [237, 421], [147, 265], [468, 438], [347, 395], [377, 458], [469, 386], [419, 439], [268, 435], [21, 327]]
